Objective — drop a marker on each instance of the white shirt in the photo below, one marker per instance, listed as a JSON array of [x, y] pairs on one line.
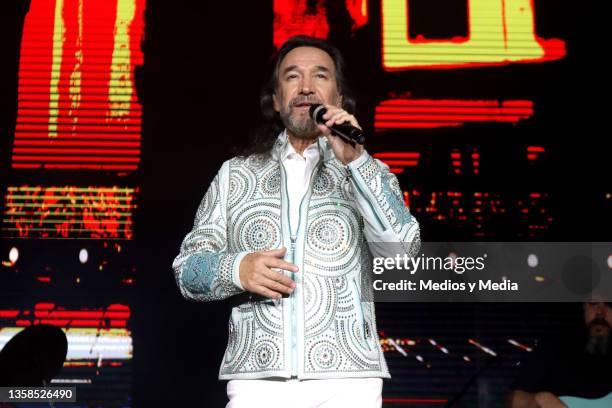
[[299, 168]]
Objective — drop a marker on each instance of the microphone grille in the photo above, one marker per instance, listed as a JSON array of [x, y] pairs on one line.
[[316, 111]]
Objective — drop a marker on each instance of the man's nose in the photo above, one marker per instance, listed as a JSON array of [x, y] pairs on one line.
[[600, 309], [306, 86]]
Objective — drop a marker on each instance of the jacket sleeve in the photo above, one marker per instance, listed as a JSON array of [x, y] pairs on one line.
[[204, 269], [387, 220]]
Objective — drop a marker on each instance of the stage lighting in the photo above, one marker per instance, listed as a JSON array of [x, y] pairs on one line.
[[532, 260], [13, 255], [83, 255]]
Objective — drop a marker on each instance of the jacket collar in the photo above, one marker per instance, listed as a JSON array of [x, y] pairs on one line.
[[280, 147]]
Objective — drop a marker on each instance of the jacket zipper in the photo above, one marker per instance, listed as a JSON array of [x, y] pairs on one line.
[[293, 237], [293, 313]]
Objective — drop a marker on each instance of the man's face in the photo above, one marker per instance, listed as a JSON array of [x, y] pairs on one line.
[[598, 320], [306, 76], [598, 317]]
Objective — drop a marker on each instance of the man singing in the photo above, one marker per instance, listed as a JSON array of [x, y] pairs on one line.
[[293, 225]]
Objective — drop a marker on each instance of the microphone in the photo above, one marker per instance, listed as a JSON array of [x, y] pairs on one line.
[[345, 131]]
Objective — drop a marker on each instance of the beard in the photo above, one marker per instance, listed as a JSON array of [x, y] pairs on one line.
[[599, 340], [300, 124]]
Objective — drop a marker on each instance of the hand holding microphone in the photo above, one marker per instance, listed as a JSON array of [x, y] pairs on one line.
[[346, 131], [342, 130]]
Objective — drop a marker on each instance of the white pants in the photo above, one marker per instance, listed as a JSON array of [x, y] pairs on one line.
[[332, 393]]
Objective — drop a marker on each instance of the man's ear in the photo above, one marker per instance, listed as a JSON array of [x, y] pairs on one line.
[[275, 103]]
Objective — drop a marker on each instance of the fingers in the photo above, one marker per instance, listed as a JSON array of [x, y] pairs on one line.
[[336, 116], [341, 117], [280, 278], [263, 291], [274, 260], [344, 151], [280, 264], [273, 284], [278, 252], [257, 277], [324, 130], [270, 284], [277, 286]]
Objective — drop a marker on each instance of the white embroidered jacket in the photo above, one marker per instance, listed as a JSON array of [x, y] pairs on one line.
[[326, 328]]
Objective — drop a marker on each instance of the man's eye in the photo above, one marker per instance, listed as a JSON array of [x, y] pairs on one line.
[[322, 76], [291, 76]]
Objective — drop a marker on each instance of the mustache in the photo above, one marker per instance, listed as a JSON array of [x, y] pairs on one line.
[[303, 99], [600, 321]]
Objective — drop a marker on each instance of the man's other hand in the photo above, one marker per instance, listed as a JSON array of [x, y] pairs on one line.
[[257, 276]]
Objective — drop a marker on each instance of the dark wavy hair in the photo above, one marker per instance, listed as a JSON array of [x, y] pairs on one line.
[[271, 125]]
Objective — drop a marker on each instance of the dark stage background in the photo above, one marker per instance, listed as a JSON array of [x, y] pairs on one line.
[[506, 149]]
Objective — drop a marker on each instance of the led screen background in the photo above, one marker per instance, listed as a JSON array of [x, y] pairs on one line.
[[120, 113]]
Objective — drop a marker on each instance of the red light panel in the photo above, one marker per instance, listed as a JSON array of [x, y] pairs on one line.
[[432, 113], [69, 212], [77, 106]]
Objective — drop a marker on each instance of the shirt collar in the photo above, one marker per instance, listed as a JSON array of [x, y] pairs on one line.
[[310, 151], [283, 148]]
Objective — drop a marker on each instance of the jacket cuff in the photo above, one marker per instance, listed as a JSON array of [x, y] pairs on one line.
[[236, 269], [358, 162]]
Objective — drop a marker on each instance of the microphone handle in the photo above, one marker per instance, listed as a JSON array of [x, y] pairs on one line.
[[348, 132], [345, 131]]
